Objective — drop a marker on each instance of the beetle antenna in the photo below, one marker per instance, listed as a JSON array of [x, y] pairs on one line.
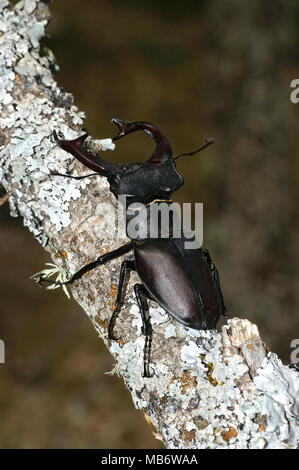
[[208, 142]]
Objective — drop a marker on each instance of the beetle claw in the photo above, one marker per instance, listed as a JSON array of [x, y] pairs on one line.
[[114, 338], [111, 336], [56, 138], [42, 279], [147, 374]]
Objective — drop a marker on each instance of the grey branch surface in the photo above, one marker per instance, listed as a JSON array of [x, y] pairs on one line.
[[210, 389]]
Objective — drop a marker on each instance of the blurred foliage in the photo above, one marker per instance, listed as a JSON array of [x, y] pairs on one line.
[[172, 8], [196, 69]]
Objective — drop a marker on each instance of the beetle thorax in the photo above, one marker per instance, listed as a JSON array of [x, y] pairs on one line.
[[143, 182], [156, 220]]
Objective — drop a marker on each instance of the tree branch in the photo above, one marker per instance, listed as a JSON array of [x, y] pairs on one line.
[[209, 389]]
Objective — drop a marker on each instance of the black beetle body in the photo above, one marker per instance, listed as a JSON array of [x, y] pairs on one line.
[[183, 281], [180, 280]]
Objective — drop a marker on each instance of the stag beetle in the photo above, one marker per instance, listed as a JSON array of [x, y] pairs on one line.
[[185, 282]]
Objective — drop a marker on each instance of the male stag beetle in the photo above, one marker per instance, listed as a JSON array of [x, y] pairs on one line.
[[183, 281]]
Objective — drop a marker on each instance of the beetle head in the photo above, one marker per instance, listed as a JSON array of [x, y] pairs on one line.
[[157, 177]]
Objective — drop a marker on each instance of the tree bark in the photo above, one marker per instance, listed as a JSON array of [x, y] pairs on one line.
[[209, 389]]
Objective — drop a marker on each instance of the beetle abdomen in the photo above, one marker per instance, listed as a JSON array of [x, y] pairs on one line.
[[180, 280]]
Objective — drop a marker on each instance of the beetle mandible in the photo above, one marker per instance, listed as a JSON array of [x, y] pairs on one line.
[[185, 282]]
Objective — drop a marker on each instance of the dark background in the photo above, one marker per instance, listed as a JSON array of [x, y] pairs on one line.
[[196, 69]]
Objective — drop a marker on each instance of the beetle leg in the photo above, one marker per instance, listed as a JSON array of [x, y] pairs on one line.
[[146, 326], [55, 173], [127, 265], [215, 274], [94, 264]]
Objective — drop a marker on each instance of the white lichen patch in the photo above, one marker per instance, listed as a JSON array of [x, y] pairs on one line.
[[170, 331], [279, 400], [105, 144], [6, 84]]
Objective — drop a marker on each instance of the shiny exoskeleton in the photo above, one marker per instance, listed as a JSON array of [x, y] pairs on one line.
[[183, 281]]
